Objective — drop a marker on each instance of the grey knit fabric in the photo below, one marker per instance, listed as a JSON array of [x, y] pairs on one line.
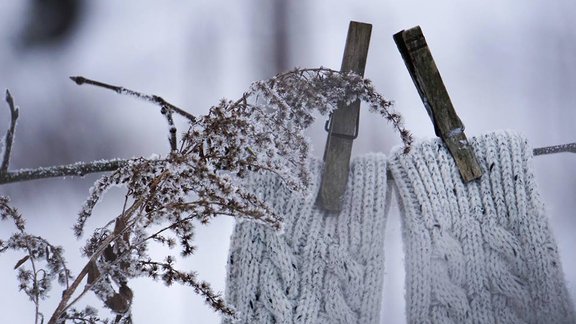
[[480, 252], [324, 268]]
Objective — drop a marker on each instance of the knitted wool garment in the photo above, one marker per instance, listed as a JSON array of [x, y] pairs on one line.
[[324, 267], [480, 252]]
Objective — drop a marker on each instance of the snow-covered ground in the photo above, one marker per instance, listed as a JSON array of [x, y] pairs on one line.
[[505, 66]]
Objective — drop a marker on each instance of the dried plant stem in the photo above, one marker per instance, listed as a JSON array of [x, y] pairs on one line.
[[76, 169], [122, 228], [36, 298], [67, 295], [9, 134]]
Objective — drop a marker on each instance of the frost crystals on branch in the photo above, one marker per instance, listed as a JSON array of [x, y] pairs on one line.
[[202, 177]]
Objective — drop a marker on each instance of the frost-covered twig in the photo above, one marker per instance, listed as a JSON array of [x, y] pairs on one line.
[[564, 148], [9, 140], [166, 107], [75, 169], [121, 90]]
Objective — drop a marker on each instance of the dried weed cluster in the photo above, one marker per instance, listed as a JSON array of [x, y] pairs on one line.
[[201, 178]]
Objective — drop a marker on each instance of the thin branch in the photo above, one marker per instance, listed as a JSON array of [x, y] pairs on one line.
[[9, 134], [569, 148], [121, 90], [78, 169]]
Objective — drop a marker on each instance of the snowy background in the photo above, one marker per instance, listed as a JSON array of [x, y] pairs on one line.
[[506, 64]]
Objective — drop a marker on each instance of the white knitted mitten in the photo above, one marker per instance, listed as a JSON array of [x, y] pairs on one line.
[[324, 268], [480, 252]]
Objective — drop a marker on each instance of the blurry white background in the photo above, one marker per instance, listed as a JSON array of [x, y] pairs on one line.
[[506, 64]]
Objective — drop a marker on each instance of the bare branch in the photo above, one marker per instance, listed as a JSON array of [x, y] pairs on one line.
[[121, 90], [78, 169], [9, 134], [568, 148]]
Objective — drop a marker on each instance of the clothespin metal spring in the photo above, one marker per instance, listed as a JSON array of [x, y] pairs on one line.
[[328, 126]]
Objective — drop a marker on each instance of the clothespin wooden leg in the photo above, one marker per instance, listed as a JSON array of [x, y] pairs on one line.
[[448, 126], [343, 125]]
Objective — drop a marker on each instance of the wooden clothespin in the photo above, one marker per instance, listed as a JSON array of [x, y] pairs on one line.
[[343, 124], [447, 125]]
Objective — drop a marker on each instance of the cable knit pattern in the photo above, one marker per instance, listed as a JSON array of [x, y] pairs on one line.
[[324, 268], [480, 252]]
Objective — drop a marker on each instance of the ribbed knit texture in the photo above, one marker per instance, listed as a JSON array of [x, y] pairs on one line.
[[324, 268], [480, 252]]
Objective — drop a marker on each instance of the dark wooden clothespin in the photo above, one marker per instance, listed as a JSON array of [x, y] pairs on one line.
[[343, 124], [447, 125]]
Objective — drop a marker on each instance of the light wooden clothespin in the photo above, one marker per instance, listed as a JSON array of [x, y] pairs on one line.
[[447, 125], [343, 124]]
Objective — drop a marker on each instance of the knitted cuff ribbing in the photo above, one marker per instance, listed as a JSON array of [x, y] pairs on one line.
[[324, 268], [480, 252]]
